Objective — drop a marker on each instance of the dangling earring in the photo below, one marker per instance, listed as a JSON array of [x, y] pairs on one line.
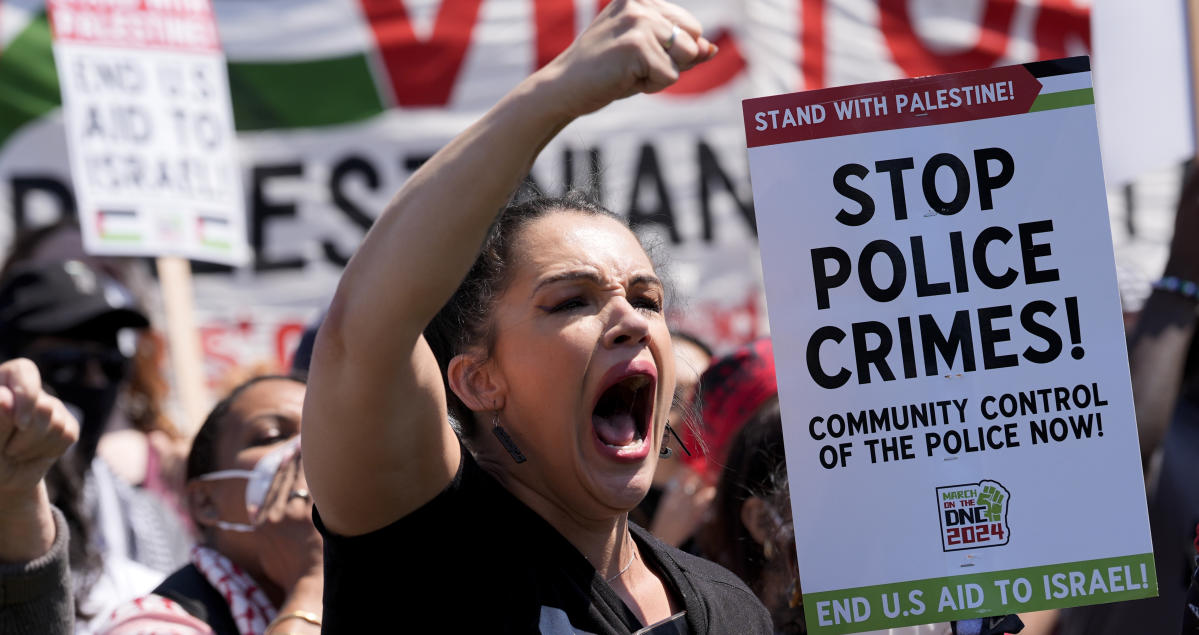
[[665, 452], [768, 550], [505, 440]]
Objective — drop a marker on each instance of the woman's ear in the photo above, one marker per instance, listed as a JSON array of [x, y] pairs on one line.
[[756, 518], [201, 504], [477, 381]]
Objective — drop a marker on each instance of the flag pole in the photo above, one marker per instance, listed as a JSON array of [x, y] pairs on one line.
[[183, 340]]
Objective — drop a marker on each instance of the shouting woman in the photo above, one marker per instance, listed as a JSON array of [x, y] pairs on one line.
[[548, 349]]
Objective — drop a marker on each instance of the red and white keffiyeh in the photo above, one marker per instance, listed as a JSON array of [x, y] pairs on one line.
[[252, 610]]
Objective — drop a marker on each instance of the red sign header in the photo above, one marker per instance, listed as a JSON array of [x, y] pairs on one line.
[[903, 103], [173, 25]]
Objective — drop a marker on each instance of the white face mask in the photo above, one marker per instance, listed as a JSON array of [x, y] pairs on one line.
[[258, 481]]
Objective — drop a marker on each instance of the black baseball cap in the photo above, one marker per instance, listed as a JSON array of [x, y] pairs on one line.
[[66, 298]]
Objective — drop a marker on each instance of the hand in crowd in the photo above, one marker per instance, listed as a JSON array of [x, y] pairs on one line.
[[632, 46], [683, 507], [35, 431], [290, 548]]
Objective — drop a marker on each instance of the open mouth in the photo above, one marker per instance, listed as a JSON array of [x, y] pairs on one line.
[[621, 416]]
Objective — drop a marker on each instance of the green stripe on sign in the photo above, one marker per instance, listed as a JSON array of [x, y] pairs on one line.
[[28, 79], [325, 92], [121, 238], [980, 595], [1064, 99]]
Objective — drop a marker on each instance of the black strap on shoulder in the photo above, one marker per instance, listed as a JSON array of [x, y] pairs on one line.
[[192, 591]]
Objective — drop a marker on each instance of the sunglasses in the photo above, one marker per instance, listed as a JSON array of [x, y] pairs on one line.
[[70, 365]]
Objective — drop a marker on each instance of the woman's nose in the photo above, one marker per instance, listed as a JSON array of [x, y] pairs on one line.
[[628, 325]]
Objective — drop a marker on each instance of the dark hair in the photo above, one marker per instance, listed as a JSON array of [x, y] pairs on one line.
[[465, 320], [756, 467], [201, 458]]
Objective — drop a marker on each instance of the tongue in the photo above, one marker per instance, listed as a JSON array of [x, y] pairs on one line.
[[617, 429]]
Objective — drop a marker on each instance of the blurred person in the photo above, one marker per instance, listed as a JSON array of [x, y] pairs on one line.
[[752, 532], [302, 358], [1164, 360], [679, 498], [553, 355], [35, 582], [69, 320], [258, 567], [141, 444], [731, 390]]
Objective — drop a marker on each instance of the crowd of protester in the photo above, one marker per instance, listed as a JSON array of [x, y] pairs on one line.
[[447, 426]]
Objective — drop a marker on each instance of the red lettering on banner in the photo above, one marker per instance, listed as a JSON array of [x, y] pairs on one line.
[[721, 325], [422, 73], [1057, 21], [811, 20], [211, 339], [915, 59], [287, 338], [555, 22]]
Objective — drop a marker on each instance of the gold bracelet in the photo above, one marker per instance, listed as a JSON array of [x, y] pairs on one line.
[[311, 618]]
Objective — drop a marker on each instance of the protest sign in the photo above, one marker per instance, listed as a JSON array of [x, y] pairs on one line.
[[952, 370], [150, 128]]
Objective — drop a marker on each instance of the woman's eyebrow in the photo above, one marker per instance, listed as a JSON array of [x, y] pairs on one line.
[[594, 278], [568, 276], [647, 279]]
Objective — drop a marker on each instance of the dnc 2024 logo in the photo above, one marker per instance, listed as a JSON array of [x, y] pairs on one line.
[[973, 515]]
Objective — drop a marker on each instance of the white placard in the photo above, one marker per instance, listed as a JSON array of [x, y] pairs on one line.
[[150, 129], [952, 369]]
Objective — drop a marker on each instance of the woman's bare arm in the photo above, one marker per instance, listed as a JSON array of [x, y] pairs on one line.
[[376, 440]]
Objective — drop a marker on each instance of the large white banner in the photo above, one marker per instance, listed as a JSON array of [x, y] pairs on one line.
[[332, 119]]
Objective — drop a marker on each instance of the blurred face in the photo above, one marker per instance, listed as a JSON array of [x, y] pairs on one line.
[[690, 362], [263, 416], [87, 375], [584, 357]]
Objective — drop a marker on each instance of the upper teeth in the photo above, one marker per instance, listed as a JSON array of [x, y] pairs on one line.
[[636, 382]]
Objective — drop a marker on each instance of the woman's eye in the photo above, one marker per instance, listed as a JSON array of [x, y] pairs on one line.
[[649, 303], [573, 303], [266, 438]]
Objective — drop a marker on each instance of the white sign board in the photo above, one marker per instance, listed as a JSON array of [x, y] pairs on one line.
[[952, 370], [149, 128]]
